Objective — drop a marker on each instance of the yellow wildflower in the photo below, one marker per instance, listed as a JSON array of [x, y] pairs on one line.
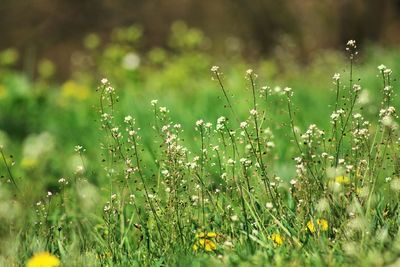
[[206, 244], [322, 225], [277, 239], [203, 241], [43, 259], [207, 235], [341, 179]]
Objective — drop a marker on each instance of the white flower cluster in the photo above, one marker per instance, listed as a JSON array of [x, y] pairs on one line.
[[311, 133], [336, 115], [215, 68], [221, 122], [387, 117]]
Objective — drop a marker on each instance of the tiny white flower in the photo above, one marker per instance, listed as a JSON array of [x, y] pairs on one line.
[[253, 112], [287, 89], [381, 67], [128, 119], [336, 76], [231, 162], [356, 87], [199, 122], [214, 68]]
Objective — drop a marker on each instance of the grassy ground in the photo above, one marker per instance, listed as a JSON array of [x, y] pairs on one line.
[[280, 166]]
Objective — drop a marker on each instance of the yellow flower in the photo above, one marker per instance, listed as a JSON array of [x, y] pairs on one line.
[[277, 238], [322, 225], [311, 226], [207, 235], [206, 244], [341, 179], [203, 241], [43, 259]]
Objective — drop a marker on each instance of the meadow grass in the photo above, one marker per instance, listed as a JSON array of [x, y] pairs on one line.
[[227, 171]]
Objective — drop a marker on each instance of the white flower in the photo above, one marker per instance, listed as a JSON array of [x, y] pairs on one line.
[[351, 43], [249, 71], [387, 71], [163, 109], [107, 208], [199, 122], [109, 89], [253, 112], [243, 124], [128, 119], [269, 205], [154, 102], [243, 160], [214, 68], [381, 67], [356, 87], [78, 148], [104, 80], [221, 120], [63, 181], [336, 76], [270, 144], [287, 89]]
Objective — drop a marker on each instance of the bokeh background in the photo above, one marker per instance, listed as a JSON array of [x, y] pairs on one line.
[[55, 29]]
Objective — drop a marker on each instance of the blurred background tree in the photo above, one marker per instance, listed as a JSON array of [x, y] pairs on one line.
[[54, 29]]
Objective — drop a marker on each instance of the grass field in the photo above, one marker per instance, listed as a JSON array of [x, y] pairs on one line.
[[169, 160]]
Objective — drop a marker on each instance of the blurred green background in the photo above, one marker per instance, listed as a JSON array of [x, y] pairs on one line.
[[55, 29]]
